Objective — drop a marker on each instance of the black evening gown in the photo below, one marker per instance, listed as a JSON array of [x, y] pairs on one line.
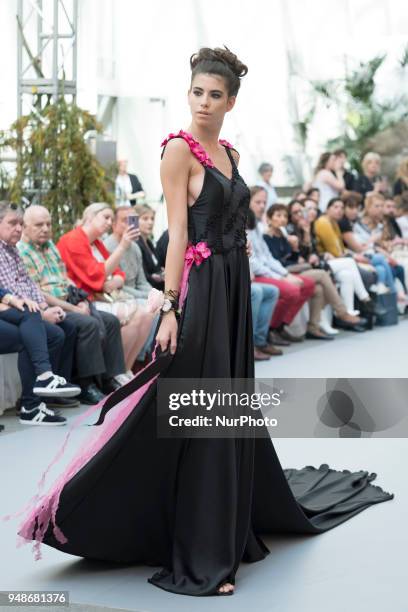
[[196, 507]]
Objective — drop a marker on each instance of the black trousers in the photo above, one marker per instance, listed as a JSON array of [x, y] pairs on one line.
[[94, 356], [39, 346]]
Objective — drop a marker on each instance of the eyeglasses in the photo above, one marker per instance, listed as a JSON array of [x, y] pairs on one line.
[[297, 212]]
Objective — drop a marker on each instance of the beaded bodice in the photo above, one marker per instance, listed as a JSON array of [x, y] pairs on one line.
[[218, 216]]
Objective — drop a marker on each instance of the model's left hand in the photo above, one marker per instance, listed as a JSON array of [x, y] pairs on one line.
[[248, 248]]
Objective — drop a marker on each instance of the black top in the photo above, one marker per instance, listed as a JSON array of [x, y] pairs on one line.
[[136, 184], [400, 186], [151, 263], [161, 247], [363, 184], [349, 179], [392, 228], [281, 250], [345, 225]]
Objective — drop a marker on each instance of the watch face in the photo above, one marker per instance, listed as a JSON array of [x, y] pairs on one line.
[[166, 306]]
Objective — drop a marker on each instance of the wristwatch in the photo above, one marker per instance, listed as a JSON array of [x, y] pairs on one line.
[[167, 305]]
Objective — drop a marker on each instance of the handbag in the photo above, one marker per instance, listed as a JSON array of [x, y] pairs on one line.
[[76, 295]]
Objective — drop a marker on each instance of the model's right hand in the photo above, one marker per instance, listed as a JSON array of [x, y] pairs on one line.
[[167, 334]]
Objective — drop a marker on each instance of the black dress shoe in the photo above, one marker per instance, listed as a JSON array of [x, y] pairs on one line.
[[108, 385], [90, 395], [62, 402], [361, 326], [276, 339]]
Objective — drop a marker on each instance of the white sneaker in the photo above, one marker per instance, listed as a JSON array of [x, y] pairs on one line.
[[55, 386], [41, 415], [122, 379]]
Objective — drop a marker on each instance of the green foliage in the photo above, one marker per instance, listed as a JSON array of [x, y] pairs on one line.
[[362, 116], [360, 84], [404, 58], [55, 166]]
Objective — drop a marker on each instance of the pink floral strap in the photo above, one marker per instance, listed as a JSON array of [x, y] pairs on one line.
[[197, 150]]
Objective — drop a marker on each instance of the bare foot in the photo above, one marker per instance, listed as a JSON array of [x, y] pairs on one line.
[[227, 587]]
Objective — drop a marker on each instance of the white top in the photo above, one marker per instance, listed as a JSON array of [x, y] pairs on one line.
[[123, 189], [327, 192]]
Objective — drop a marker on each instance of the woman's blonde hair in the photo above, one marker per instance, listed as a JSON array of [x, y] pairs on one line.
[[143, 209], [402, 172], [92, 210], [371, 198], [369, 157]]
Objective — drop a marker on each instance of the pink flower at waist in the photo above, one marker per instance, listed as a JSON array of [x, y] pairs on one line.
[[196, 253]]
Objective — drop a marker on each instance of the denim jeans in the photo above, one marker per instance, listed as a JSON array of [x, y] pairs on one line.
[[263, 301], [384, 270]]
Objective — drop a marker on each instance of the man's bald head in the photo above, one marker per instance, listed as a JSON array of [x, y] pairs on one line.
[[37, 224]]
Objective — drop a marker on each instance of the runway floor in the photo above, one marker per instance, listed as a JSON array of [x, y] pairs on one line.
[[360, 565]]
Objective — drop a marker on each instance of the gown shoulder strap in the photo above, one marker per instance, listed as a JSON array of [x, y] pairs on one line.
[[196, 149]]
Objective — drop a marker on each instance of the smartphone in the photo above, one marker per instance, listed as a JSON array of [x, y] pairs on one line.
[[133, 221]]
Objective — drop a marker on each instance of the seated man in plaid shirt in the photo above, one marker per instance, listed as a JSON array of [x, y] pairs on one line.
[[45, 343], [98, 357]]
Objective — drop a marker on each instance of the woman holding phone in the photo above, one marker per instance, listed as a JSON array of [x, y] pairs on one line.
[[92, 268]]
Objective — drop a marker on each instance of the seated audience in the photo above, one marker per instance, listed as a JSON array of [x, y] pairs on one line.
[[152, 268], [60, 335], [263, 302], [312, 210], [92, 268], [363, 236], [287, 252], [294, 291], [98, 353], [401, 184], [22, 331], [328, 178], [402, 214], [128, 188], [131, 262], [313, 194], [331, 246]]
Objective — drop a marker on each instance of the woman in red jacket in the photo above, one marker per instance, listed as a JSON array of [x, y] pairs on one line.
[[92, 268]]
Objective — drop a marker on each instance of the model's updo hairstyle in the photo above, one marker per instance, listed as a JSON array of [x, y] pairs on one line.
[[221, 62]]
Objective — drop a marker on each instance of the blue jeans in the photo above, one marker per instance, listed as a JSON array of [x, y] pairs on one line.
[[39, 346], [263, 301], [399, 272], [384, 270]]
